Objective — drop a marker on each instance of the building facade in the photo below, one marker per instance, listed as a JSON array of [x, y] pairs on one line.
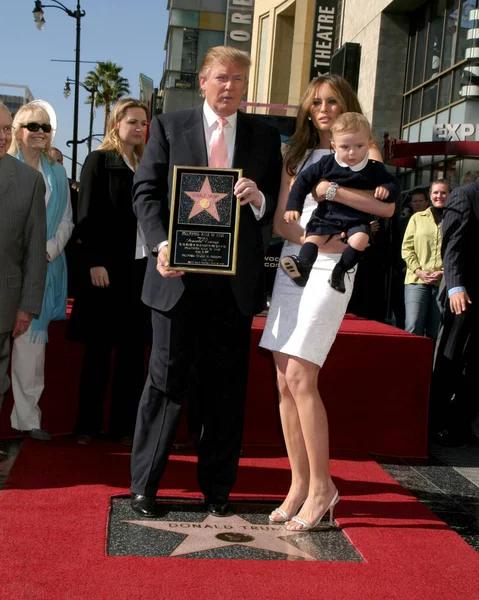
[[418, 79], [14, 101]]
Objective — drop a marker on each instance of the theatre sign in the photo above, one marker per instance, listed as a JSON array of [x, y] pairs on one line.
[[458, 132], [239, 24], [324, 28]]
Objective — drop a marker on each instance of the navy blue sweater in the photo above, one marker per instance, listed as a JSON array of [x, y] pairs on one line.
[[373, 175]]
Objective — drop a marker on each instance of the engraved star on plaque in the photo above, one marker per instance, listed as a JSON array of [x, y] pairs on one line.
[[214, 532], [205, 199]]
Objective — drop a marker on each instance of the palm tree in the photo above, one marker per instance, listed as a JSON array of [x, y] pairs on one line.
[[110, 84]]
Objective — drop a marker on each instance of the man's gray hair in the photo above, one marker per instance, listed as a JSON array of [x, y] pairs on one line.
[[2, 105]]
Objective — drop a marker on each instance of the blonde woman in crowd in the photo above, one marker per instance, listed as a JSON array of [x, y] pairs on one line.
[[107, 312], [421, 251], [31, 144]]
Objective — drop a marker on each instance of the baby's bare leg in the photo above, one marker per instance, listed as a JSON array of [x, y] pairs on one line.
[[359, 241]]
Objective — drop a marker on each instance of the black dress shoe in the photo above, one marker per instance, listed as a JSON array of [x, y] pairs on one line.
[[217, 506], [144, 505]]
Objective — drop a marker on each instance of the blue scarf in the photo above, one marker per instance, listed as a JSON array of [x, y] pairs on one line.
[[55, 297]]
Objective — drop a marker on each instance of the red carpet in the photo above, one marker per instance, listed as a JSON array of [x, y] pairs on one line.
[[54, 513]]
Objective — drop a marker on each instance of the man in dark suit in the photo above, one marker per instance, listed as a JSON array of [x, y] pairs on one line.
[[212, 312], [454, 405], [23, 238]]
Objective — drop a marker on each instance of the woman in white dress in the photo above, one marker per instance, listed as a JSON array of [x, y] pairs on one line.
[[302, 323]]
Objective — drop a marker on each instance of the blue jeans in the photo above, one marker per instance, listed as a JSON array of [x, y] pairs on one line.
[[422, 310]]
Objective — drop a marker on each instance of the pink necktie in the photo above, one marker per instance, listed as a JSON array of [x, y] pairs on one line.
[[219, 151]]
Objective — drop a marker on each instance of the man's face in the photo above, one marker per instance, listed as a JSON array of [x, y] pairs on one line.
[[5, 131], [418, 202], [224, 87]]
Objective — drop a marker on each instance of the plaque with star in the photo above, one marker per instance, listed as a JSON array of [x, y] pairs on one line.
[[204, 220]]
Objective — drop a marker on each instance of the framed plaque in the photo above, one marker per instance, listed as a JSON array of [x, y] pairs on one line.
[[204, 220]]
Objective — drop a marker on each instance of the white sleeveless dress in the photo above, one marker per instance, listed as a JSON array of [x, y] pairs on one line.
[[303, 322]]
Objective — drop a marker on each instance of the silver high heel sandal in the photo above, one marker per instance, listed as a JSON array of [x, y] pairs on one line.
[[316, 526], [283, 515]]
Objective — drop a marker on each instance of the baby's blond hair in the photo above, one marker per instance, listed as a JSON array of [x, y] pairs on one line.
[[351, 122]]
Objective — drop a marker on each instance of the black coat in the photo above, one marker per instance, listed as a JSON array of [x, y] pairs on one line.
[[108, 231], [179, 139]]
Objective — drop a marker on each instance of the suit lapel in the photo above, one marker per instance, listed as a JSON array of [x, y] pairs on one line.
[[243, 142], [194, 136], [6, 175]]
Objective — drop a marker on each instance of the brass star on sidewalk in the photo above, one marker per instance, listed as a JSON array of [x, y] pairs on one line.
[[205, 199], [216, 532]]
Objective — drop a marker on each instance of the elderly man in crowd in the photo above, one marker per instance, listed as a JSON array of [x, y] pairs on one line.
[[23, 237]]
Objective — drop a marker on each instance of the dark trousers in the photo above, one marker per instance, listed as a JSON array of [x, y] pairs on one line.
[[455, 374], [126, 388], [123, 352], [206, 317]]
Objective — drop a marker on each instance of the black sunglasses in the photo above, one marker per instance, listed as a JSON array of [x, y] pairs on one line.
[[36, 127]]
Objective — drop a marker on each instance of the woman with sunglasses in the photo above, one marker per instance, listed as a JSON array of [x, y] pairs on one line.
[[107, 313], [31, 144]]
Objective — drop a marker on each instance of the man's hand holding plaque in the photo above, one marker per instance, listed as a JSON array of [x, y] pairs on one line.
[[247, 191], [162, 264]]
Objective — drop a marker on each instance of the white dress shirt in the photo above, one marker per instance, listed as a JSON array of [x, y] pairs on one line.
[[57, 243], [141, 250]]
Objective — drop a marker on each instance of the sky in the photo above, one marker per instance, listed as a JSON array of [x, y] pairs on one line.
[[130, 33]]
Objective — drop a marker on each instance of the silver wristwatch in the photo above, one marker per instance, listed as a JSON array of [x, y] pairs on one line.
[[331, 191]]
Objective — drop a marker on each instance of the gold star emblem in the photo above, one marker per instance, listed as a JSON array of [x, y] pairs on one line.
[[218, 532]]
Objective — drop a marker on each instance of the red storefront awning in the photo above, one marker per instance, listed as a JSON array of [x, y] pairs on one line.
[[404, 154]]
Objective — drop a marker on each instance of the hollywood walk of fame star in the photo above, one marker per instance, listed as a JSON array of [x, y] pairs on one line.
[[205, 199], [202, 536]]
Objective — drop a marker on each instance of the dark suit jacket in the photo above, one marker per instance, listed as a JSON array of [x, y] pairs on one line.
[[460, 234], [107, 229], [178, 139]]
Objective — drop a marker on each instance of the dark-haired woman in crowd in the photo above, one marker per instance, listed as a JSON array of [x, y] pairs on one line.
[[108, 313], [302, 323]]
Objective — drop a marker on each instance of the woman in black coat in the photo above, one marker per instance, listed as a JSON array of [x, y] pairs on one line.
[[107, 312]]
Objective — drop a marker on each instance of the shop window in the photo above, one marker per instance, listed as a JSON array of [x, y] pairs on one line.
[[444, 91], [434, 42], [429, 99], [450, 34], [464, 26], [182, 49], [407, 106], [410, 63], [415, 105], [420, 48], [206, 40], [456, 88], [184, 18]]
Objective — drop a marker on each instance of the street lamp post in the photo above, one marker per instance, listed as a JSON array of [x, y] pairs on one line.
[[38, 16], [92, 91]]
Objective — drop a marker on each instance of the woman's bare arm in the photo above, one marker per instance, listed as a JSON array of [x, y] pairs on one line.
[[289, 231]]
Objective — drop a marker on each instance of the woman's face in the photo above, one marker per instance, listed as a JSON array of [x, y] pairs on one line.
[[438, 194], [132, 127], [418, 202], [325, 108], [33, 140]]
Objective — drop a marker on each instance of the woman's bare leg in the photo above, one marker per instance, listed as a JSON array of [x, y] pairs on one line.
[[295, 446], [302, 382]]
